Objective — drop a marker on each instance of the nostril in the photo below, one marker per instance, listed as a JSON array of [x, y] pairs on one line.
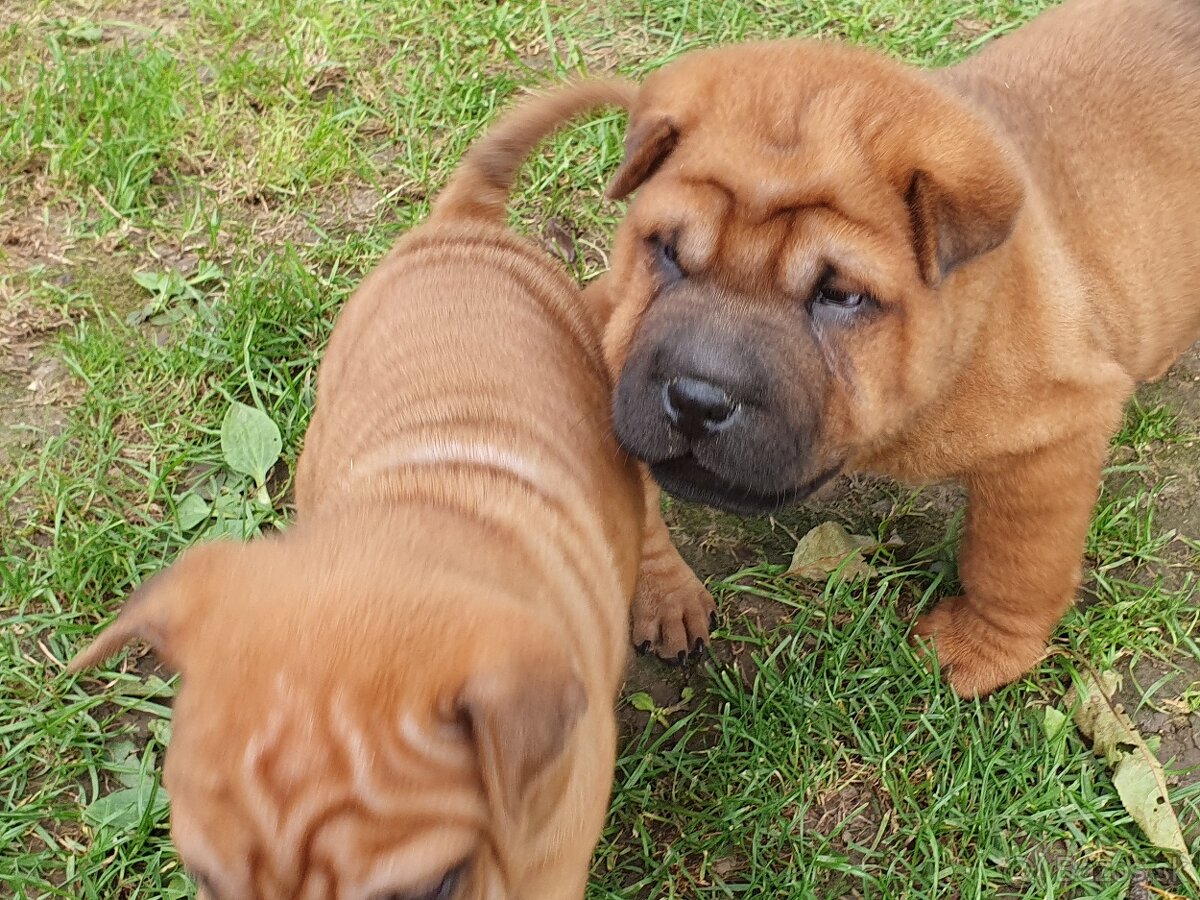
[[700, 397], [698, 407]]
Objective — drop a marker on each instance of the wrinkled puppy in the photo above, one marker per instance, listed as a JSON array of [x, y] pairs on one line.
[[409, 693], [836, 262]]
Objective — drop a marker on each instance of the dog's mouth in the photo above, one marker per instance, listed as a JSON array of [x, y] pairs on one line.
[[684, 477]]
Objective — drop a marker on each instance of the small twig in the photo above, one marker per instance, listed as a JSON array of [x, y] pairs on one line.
[[54, 660], [108, 206], [775, 523], [1168, 895]]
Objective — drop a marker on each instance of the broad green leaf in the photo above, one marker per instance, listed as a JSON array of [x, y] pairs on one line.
[[168, 285], [250, 441], [642, 701], [205, 272], [151, 686], [169, 316], [191, 511], [123, 810], [142, 313], [154, 282], [228, 505], [180, 888], [120, 810], [249, 525], [157, 687], [161, 729], [225, 529], [126, 766], [84, 32]]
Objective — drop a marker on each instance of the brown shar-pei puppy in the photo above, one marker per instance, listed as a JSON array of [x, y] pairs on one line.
[[836, 262], [409, 693]]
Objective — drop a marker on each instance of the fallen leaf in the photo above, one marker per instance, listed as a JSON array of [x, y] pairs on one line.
[[1136, 772], [828, 547]]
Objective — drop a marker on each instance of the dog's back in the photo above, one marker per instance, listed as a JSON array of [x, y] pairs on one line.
[[466, 345], [465, 373]]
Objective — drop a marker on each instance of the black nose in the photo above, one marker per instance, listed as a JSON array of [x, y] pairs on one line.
[[698, 407]]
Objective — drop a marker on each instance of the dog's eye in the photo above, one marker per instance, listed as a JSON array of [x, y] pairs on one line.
[[828, 296], [666, 258]]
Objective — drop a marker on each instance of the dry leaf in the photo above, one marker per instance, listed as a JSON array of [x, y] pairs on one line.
[[1136, 773], [827, 547]]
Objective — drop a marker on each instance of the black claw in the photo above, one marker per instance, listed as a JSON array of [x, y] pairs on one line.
[[680, 657], [643, 648], [698, 647], [712, 621]]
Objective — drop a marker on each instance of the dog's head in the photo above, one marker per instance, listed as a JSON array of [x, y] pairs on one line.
[[789, 279], [342, 734]]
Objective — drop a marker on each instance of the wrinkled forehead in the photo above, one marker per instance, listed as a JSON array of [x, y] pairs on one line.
[[777, 163], [310, 793], [779, 124], [775, 226]]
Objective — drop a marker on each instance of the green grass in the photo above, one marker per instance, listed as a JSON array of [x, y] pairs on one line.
[[267, 154], [1147, 424]]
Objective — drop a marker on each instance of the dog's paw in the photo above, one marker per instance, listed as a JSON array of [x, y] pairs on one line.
[[975, 657], [673, 614]]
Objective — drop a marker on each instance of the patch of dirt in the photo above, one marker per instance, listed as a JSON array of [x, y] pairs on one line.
[[968, 28], [856, 813], [34, 229], [118, 21], [1177, 462], [34, 388]]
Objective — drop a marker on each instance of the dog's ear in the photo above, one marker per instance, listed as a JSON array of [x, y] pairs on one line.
[[520, 715], [157, 611], [963, 196], [647, 144]]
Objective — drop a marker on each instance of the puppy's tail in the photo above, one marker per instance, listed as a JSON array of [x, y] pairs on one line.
[[480, 188]]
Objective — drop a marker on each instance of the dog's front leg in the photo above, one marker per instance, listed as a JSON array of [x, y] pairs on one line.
[[1020, 563], [673, 612]]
